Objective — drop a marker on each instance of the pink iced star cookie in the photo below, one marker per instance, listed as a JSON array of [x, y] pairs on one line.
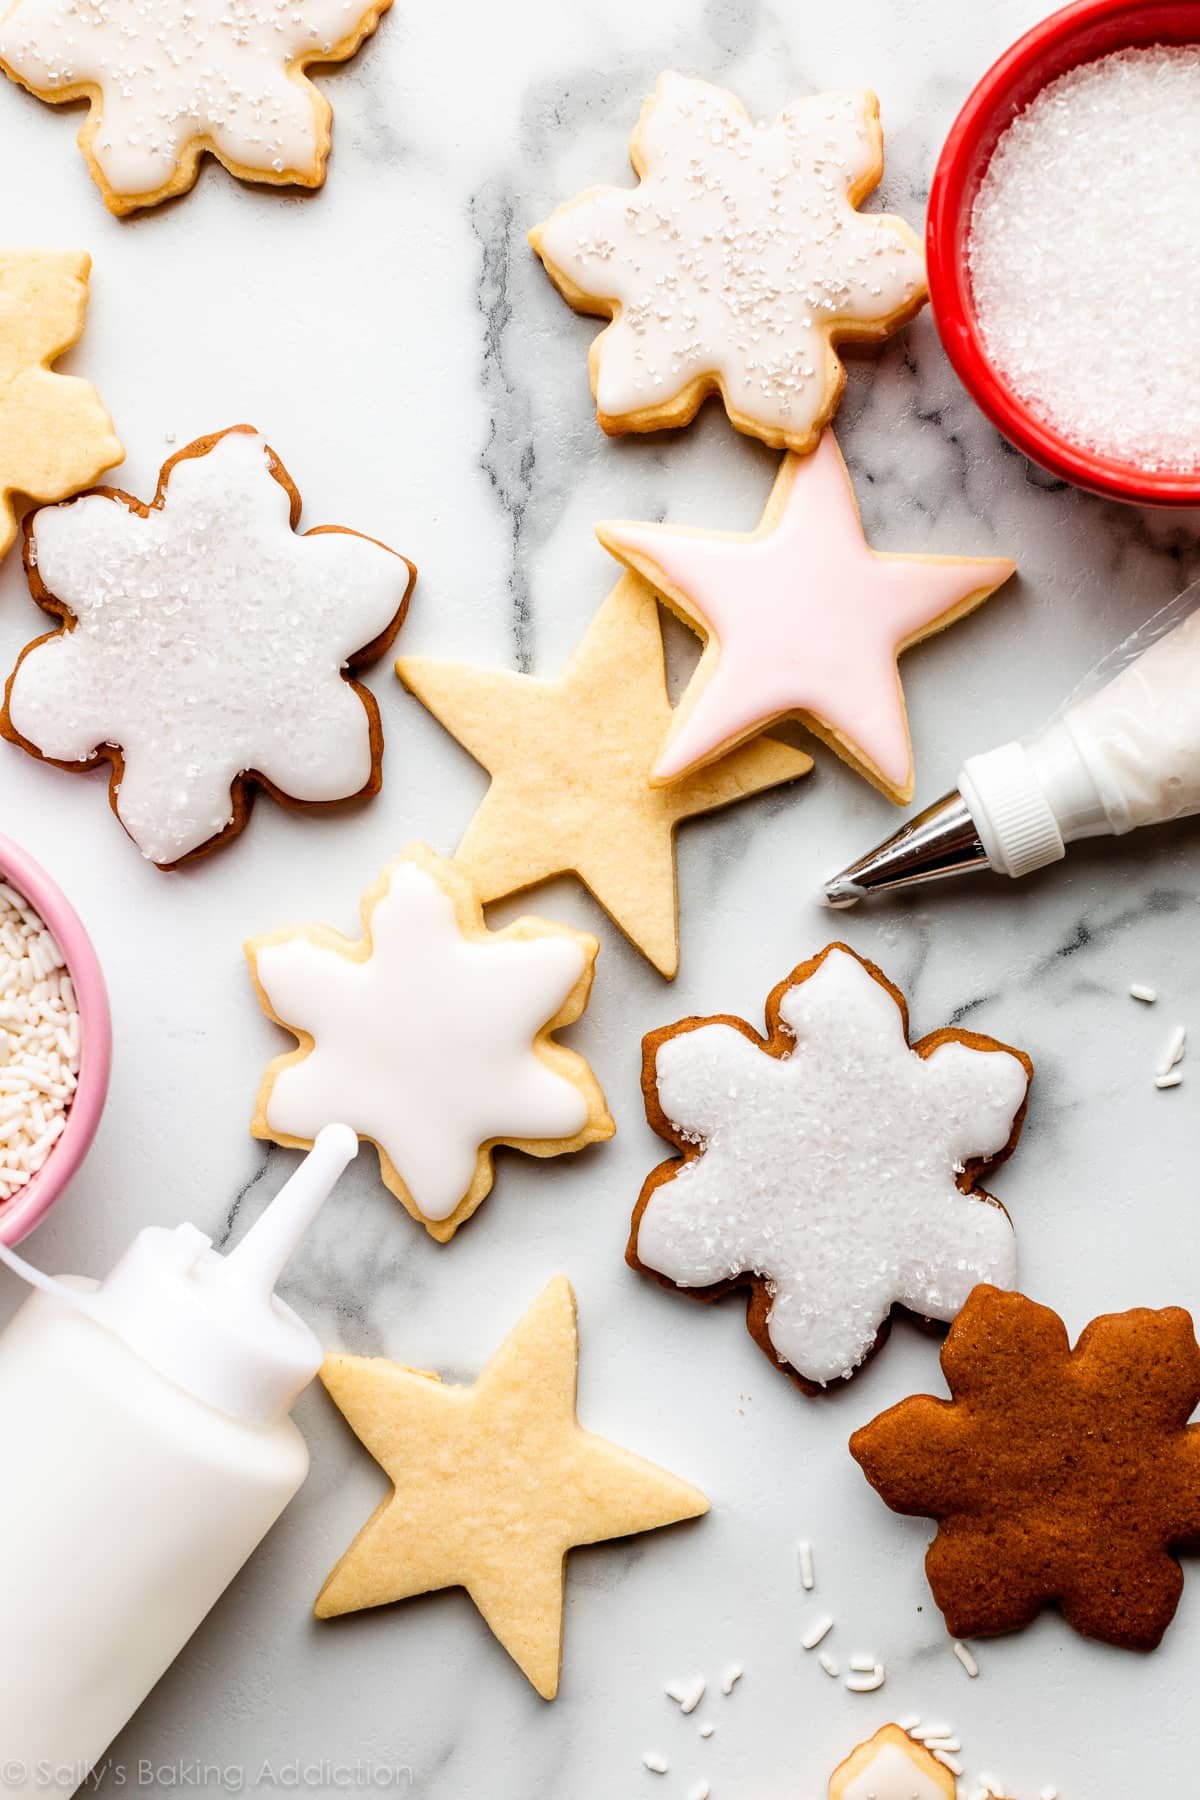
[[802, 619]]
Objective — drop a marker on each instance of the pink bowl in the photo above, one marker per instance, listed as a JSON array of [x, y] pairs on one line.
[[1077, 34], [19, 1215]]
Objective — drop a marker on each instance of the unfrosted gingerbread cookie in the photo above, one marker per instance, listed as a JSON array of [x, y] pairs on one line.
[[171, 80], [830, 1166], [891, 1766], [737, 263], [204, 647], [432, 1036], [1054, 1474], [55, 436]]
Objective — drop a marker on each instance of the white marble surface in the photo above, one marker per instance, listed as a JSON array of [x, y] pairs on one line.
[[401, 347]]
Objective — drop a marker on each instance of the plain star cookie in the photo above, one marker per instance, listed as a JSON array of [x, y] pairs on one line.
[[801, 619], [430, 1035], [570, 763], [892, 1766], [830, 1166], [204, 645], [1055, 1475], [737, 263], [171, 80], [55, 436], [492, 1485]]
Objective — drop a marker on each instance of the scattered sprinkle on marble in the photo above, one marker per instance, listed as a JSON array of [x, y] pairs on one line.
[[657, 1765], [39, 1043], [731, 1677], [707, 1729], [967, 1659], [1173, 1050], [1173, 1080], [701, 1791], [1087, 297], [1049, 1793], [867, 1683], [953, 1763], [862, 1665], [804, 1554], [949, 1742], [827, 1663], [817, 1632], [1139, 991], [687, 1695]]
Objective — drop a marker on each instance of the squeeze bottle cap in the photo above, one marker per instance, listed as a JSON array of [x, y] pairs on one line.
[[212, 1324]]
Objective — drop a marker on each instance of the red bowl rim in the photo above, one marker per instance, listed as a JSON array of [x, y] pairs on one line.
[[29, 1207], [986, 112]]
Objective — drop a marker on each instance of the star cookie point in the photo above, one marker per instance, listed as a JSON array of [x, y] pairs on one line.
[[493, 1484], [738, 262]]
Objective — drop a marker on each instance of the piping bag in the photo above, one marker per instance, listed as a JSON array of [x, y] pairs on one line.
[[1122, 751]]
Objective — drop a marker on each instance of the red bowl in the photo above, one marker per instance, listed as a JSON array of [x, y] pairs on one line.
[[1077, 34]]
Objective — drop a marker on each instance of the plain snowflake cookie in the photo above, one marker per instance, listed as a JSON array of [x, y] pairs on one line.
[[432, 1036], [204, 647], [55, 435], [830, 1166], [892, 1766], [737, 264], [171, 80]]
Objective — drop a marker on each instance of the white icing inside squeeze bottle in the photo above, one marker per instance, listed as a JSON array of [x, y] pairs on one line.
[[146, 1449], [1124, 751]]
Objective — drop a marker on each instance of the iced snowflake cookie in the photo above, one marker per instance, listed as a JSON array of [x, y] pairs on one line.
[[171, 80], [830, 1166], [204, 645], [737, 263], [570, 762], [892, 1766], [801, 619], [55, 436], [1055, 1474], [432, 1036], [492, 1485]]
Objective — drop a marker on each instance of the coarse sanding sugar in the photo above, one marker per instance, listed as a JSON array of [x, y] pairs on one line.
[[1084, 254], [39, 1043]]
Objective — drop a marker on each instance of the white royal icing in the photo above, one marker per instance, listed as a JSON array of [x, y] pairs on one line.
[[831, 1171], [891, 1775], [171, 71], [426, 1047], [209, 641], [736, 254]]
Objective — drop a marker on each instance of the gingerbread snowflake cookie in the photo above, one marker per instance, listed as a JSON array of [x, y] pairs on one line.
[[204, 646], [55, 436], [737, 263], [1054, 1474], [830, 1166], [432, 1036], [169, 80], [892, 1766]]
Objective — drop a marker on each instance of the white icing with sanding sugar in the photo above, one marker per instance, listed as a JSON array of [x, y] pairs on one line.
[[171, 71], [892, 1775], [39, 1043], [210, 640], [831, 1171], [1083, 255], [426, 1047], [736, 254]]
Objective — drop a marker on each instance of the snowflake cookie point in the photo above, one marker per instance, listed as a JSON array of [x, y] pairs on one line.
[[1056, 1475], [892, 1766], [737, 264], [830, 1166], [432, 1036], [168, 83], [205, 648]]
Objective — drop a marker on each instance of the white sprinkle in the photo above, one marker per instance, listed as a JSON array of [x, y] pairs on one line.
[[1049, 1793], [923, 1732], [707, 1729], [967, 1660], [805, 1555], [866, 1684], [701, 1791], [657, 1765], [862, 1665], [1173, 1050], [731, 1677], [1139, 991], [827, 1663], [817, 1632], [909, 1723], [952, 1763], [942, 1743], [686, 1694], [1174, 1079]]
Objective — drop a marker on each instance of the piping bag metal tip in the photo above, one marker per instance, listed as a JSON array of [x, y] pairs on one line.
[[943, 840]]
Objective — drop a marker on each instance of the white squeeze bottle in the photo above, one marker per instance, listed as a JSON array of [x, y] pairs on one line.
[[146, 1449]]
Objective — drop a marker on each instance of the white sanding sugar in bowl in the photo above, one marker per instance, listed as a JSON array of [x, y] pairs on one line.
[[39, 1043], [1084, 253]]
